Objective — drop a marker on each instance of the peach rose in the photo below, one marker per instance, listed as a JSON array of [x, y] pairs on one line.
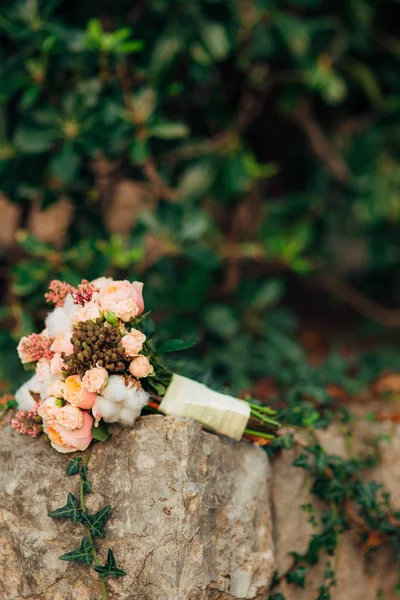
[[95, 379], [70, 417], [42, 369], [48, 410], [57, 365], [90, 310], [62, 343], [140, 367], [122, 298], [64, 440], [76, 394], [133, 342], [56, 388], [102, 282]]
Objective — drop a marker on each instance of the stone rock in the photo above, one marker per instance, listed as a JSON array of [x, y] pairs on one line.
[[358, 577], [190, 516]]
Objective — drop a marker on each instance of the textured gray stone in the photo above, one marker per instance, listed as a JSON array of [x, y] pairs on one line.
[[190, 520]]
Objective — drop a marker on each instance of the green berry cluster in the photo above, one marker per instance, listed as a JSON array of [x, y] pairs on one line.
[[96, 343]]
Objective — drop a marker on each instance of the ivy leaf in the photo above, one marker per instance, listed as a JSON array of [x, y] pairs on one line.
[[70, 511], [301, 461], [74, 465], [297, 576], [174, 345], [81, 554], [87, 488], [97, 521], [110, 568], [100, 433]]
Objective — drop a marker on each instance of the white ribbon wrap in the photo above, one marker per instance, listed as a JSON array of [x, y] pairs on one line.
[[218, 412]]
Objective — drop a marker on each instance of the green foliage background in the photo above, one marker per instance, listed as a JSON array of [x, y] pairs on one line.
[[241, 158], [262, 139]]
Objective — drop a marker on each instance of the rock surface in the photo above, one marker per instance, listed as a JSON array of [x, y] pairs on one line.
[[358, 576], [190, 520]]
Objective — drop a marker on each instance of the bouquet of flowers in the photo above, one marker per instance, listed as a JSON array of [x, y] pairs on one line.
[[93, 365]]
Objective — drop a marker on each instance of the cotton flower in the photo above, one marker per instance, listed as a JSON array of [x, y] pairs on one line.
[[115, 390], [23, 395], [95, 379], [120, 402], [58, 322], [132, 342], [76, 394], [140, 367]]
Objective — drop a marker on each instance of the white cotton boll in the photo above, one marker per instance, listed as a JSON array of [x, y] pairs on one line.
[[58, 322], [128, 416], [115, 390], [43, 386], [136, 399], [69, 306], [108, 410], [23, 395]]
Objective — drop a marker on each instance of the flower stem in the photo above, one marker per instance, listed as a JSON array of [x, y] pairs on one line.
[[265, 436], [259, 415], [89, 535]]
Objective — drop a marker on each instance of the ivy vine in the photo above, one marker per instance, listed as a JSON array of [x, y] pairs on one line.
[[75, 510]]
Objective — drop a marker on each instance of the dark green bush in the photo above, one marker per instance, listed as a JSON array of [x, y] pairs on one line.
[[234, 154]]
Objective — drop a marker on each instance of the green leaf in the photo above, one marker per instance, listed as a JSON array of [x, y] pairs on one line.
[[297, 576], [97, 521], [74, 466], [33, 140], [216, 40], [110, 568], [175, 345], [100, 433], [65, 163], [70, 511], [301, 461], [197, 180], [169, 131], [81, 554]]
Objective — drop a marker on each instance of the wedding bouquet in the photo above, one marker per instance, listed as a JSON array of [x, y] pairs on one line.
[[94, 365]]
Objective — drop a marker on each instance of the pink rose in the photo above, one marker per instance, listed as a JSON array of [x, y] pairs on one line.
[[64, 440], [140, 367], [137, 295], [42, 369], [95, 379], [133, 342], [57, 365], [62, 343], [76, 394], [90, 311], [56, 388]]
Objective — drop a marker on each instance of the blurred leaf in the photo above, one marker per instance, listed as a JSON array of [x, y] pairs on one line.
[[221, 320], [65, 163], [169, 131]]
